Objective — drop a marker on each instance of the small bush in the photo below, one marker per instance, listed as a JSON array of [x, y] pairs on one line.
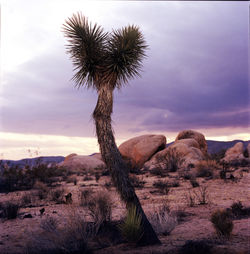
[[42, 190], [10, 210], [162, 221], [195, 247], [202, 195], [194, 183], [162, 186], [72, 179], [136, 182], [100, 207], [72, 239], [26, 199], [158, 171], [49, 224], [87, 178], [222, 223], [57, 195], [172, 161], [206, 168], [131, 229], [190, 199], [85, 196]]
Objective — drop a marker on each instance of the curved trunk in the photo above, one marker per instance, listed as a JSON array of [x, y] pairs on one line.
[[114, 162]]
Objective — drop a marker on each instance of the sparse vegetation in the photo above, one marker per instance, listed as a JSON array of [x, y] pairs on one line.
[[162, 221], [194, 182], [162, 186], [136, 181], [196, 247], [202, 195], [222, 223], [206, 168], [42, 190], [172, 161], [49, 224], [71, 239], [100, 207], [15, 178], [57, 195], [10, 210], [85, 196]]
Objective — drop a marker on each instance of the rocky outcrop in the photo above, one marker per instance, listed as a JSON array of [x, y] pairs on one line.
[[82, 162], [235, 154], [199, 137], [140, 149], [182, 152]]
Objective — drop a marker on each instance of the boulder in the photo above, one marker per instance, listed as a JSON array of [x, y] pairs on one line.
[[199, 137], [68, 157], [82, 162], [140, 149], [185, 151], [235, 154]]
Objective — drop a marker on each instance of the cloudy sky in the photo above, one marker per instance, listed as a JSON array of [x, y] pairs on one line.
[[195, 75]]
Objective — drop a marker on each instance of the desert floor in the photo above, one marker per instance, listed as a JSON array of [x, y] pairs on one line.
[[193, 223]]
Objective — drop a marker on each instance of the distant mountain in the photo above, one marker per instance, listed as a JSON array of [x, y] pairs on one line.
[[33, 161], [216, 146]]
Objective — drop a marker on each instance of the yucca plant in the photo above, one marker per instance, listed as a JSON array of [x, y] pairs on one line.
[[131, 228], [105, 61]]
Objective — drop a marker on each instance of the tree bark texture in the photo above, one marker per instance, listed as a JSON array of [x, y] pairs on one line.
[[118, 168]]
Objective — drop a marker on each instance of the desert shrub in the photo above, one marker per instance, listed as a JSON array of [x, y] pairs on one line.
[[87, 178], [190, 199], [100, 207], [72, 239], [239, 211], [136, 182], [174, 184], [131, 228], [222, 223], [158, 171], [206, 168], [195, 247], [162, 221], [194, 183], [219, 155], [16, 178], [42, 190], [162, 186], [26, 199], [202, 195], [180, 214], [10, 210], [172, 161], [49, 224], [57, 195], [85, 196], [72, 179]]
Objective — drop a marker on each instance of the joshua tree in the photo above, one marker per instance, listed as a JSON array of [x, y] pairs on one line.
[[105, 61]]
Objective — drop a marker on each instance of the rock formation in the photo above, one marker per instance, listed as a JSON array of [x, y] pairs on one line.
[[140, 149]]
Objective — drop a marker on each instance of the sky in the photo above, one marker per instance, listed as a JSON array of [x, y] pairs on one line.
[[195, 75]]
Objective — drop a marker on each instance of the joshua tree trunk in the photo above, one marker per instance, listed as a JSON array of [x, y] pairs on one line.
[[114, 162]]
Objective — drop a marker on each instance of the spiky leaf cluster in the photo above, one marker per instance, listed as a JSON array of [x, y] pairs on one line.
[[100, 58]]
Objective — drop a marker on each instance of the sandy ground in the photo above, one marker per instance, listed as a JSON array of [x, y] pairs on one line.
[[14, 234]]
